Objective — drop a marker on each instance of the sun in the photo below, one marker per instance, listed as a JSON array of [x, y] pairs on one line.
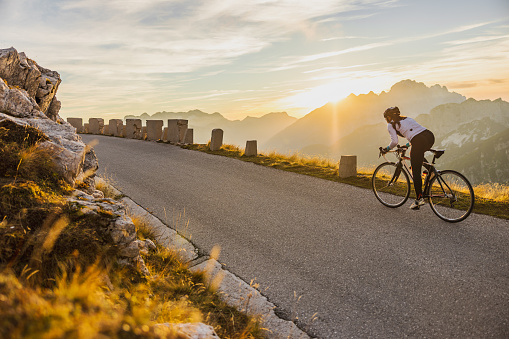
[[331, 92], [314, 97]]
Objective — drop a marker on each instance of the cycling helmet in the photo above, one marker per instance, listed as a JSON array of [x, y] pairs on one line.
[[391, 112]]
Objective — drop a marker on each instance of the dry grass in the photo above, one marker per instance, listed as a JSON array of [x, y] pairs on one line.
[[495, 192], [59, 276], [491, 199], [106, 184]]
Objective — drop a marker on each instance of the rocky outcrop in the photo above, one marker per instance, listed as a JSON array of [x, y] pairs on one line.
[[27, 98], [40, 83], [114, 224]]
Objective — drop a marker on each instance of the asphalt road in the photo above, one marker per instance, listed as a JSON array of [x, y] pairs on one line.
[[316, 246]]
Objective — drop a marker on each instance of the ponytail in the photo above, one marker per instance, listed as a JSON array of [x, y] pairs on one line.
[[396, 121]]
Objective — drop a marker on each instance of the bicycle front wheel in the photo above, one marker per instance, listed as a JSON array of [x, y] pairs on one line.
[[451, 196], [391, 188]]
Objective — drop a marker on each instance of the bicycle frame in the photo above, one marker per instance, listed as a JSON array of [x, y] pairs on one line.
[[401, 164]]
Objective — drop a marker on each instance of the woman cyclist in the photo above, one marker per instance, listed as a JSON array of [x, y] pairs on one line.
[[421, 140]]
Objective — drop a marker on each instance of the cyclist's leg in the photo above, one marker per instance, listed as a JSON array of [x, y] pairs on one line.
[[420, 144]]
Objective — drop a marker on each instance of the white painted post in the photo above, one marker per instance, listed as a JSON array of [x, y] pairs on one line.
[[347, 166]]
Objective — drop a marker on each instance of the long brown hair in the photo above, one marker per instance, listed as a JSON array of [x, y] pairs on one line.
[[395, 120]]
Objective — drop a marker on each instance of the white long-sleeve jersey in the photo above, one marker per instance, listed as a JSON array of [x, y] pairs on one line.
[[409, 128]]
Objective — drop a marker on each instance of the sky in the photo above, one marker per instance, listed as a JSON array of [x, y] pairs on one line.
[[252, 57]]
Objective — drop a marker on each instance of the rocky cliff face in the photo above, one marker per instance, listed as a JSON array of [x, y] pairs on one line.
[[28, 98]]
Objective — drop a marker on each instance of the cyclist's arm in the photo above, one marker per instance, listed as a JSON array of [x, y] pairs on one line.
[[394, 137]]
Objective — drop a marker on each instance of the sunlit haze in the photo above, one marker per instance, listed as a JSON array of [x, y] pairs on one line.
[[250, 57]]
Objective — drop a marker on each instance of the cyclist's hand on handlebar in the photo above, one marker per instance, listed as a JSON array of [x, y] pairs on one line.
[[383, 150]]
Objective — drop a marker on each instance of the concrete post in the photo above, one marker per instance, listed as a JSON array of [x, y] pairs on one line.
[[133, 129], [154, 129], [115, 127], [76, 123], [106, 130], [251, 148], [347, 166], [123, 131], [216, 141], [96, 125], [188, 139], [85, 127], [173, 131], [144, 133]]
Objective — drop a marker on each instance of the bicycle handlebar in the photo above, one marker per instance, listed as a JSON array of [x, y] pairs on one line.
[[399, 149]]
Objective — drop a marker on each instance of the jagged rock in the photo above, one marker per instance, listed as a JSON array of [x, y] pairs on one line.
[[40, 83], [112, 220], [17, 102], [27, 96], [66, 147]]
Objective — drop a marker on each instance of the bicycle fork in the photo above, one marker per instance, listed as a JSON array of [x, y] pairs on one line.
[[396, 174]]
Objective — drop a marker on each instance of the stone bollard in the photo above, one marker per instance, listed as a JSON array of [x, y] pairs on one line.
[[216, 141], [347, 166], [133, 129], [173, 131], [182, 126], [115, 127], [85, 127], [154, 129], [106, 130], [95, 125], [251, 148], [188, 139], [76, 123]]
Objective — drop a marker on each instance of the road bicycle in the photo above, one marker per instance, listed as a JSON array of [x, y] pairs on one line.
[[448, 192]]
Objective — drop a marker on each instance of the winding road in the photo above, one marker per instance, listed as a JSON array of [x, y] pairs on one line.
[[316, 246]]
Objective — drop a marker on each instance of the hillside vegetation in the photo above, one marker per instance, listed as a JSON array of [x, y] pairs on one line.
[[59, 275]]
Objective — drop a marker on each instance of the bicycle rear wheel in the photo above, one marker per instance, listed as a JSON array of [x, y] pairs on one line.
[[390, 189], [451, 196]]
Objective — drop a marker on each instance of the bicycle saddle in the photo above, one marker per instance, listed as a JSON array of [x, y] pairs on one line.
[[437, 152]]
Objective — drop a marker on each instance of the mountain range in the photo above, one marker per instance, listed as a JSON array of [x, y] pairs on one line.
[[474, 133], [236, 132]]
